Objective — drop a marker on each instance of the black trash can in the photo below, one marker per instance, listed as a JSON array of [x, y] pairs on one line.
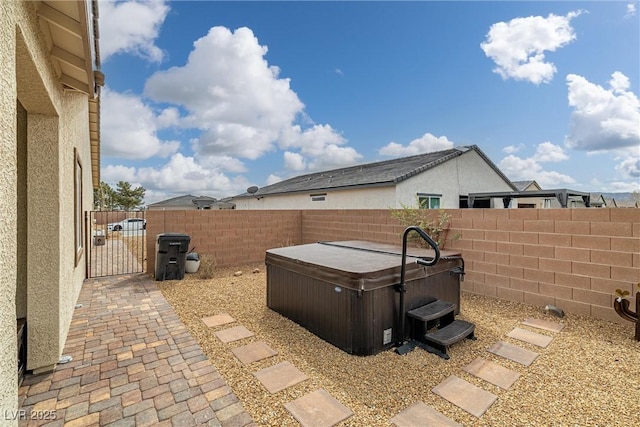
[[171, 254]]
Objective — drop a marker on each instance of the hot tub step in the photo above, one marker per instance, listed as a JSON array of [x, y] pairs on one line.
[[450, 334], [433, 310]]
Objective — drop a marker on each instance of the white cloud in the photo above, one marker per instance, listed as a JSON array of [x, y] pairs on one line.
[[511, 149], [426, 144], [111, 174], [294, 161], [231, 93], [273, 179], [184, 174], [322, 147], [630, 167], [548, 152], [131, 27], [518, 47], [126, 138], [631, 10], [169, 117], [603, 119], [523, 169]]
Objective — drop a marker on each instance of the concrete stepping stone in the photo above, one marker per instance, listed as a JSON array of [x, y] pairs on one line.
[[543, 324], [253, 352], [465, 395], [531, 337], [217, 320], [421, 414], [492, 372], [233, 334], [280, 376], [318, 409], [513, 352]]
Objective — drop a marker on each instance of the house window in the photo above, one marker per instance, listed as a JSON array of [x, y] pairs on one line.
[[318, 197], [429, 201], [78, 213], [547, 204]]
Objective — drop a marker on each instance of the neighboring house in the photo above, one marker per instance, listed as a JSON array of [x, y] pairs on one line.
[[440, 179], [49, 165], [190, 202], [529, 202], [598, 201]]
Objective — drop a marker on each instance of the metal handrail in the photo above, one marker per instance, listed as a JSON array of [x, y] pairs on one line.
[[403, 286]]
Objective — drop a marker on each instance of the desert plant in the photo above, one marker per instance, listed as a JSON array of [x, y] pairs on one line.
[[436, 225], [208, 266]]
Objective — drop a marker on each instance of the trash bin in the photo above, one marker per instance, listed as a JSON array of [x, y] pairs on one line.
[[171, 252], [193, 262]]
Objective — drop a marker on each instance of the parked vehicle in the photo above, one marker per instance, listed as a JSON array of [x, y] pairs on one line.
[[129, 224]]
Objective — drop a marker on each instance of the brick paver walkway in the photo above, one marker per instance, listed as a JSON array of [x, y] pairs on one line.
[[134, 364]]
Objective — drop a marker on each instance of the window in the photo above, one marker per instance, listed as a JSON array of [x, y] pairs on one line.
[[429, 201], [318, 197], [78, 212]]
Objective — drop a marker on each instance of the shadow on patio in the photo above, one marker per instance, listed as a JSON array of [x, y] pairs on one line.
[[134, 363]]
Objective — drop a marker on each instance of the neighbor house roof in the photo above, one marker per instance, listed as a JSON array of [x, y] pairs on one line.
[[175, 201], [191, 201], [525, 185], [388, 172]]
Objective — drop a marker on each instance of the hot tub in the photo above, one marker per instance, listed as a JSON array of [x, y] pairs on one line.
[[346, 292]]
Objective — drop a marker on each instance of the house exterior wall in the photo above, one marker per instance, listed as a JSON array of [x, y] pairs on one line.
[[37, 243], [362, 198], [465, 174], [462, 175], [8, 219]]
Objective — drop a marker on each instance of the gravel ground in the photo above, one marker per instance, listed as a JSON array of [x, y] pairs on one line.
[[588, 376]]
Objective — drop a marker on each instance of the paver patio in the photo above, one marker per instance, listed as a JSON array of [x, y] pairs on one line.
[[133, 363]]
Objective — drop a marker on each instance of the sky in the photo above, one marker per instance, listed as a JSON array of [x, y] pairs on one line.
[[212, 97]]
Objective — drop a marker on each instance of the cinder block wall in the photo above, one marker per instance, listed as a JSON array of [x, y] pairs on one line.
[[572, 258], [231, 237]]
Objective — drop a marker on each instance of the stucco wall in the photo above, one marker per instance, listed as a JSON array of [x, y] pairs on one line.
[[465, 174], [42, 248], [8, 219], [364, 198]]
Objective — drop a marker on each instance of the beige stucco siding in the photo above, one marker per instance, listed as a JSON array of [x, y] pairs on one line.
[[41, 280], [8, 219], [363, 198], [465, 174]]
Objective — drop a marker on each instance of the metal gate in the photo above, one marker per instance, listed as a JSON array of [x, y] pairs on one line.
[[117, 243]]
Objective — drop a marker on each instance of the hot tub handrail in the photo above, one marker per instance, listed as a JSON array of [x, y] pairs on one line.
[[403, 285]]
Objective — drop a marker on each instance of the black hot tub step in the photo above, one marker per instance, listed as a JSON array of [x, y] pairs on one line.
[[451, 334], [433, 310]]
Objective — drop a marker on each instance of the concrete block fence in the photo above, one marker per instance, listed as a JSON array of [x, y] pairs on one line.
[[572, 258]]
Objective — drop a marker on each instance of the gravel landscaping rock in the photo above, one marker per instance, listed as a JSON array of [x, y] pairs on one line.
[[588, 375]]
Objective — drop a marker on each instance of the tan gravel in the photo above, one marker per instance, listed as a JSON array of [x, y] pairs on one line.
[[588, 376]]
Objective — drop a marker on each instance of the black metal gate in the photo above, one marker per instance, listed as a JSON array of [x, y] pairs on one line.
[[117, 243]]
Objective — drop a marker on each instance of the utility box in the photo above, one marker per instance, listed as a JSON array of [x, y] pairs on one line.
[[98, 240], [171, 253]]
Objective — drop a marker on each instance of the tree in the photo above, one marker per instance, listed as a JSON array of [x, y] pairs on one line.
[[124, 197], [129, 198], [104, 197]]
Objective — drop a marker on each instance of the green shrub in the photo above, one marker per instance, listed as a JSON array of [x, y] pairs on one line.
[[434, 223]]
